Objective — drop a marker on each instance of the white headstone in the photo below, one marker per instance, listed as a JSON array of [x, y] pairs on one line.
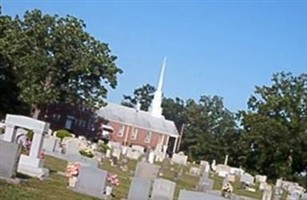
[[30, 165]]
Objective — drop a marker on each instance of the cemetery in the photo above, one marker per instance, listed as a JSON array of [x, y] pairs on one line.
[[110, 174]]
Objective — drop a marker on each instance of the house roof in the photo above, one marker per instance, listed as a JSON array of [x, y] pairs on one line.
[[137, 118]]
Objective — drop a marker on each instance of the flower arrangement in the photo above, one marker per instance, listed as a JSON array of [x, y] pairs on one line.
[[72, 172], [113, 180], [72, 169], [87, 152]]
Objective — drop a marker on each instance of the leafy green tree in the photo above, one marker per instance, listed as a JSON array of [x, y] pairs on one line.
[[209, 127], [274, 141], [174, 109], [9, 48], [142, 95], [61, 62]]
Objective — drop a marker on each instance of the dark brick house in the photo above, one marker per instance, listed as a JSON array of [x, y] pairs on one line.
[[77, 119]]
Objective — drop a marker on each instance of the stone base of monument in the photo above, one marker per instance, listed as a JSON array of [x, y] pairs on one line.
[[11, 180], [32, 167]]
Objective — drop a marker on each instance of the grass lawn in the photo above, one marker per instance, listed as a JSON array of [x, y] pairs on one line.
[[33, 189], [54, 188]]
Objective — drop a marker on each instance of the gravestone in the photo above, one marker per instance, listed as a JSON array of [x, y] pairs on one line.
[[194, 171], [151, 157], [231, 178], [205, 185], [163, 189], [9, 158], [222, 170], [262, 185], [90, 162], [294, 195], [72, 146], [31, 164], [304, 196], [247, 179], [180, 158], [146, 170], [139, 189], [50, 143], [277, 193], [267, 193], [91, 181], [191, 195]]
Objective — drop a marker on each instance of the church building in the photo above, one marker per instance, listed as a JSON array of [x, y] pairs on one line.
[[132, 126]]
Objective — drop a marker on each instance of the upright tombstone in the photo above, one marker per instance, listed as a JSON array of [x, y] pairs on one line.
[[50, 143], [205, 185], [146, 170], [247, 179], [163, 189], [180, 158], [191, 195], [9, 158], [30, 165], [139, 189], [89, 162], [267, 193], [304, 196], [294, 195], [91, 181]]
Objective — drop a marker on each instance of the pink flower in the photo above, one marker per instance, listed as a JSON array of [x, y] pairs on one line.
[[113, 179]]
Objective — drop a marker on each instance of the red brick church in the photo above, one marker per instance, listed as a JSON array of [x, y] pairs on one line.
[[129, 126], [132, 126]]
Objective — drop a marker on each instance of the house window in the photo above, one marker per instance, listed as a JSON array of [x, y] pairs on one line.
[[148, 137], [69, 121], [56, 117], [84, 123], [80, 122], [134, 134], [121, 131], [76, 122]]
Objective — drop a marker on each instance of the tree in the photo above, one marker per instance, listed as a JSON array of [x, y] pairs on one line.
[[275, 127], [60, 62], [9, 47], [142, 95], [174, 109], [209, 127]]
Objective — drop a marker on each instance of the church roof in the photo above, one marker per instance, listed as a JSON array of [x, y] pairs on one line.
[[137, 118]]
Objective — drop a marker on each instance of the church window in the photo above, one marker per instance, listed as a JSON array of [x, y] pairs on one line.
[[121, 131], [148, 137], [134, 134]]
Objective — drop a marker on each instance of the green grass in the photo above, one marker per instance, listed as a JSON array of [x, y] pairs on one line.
[[54, 188]]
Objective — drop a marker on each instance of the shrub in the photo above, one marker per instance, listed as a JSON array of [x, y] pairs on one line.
[[86, 153], [30, 134], [63, 133], [2, 130], [103, 148]]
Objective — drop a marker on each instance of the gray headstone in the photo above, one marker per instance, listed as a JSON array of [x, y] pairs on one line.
[[91, 181], [205, 185], [163, 189], [9, 157], [90, 162], [191, 195], [304, 196], [146, 170], [139, 189]]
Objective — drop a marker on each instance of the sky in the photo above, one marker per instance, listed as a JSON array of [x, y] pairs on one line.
[[222, 48]]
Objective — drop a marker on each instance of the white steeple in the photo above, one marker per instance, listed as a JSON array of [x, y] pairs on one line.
[[155, 108]]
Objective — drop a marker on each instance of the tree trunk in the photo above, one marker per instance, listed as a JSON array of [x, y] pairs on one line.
[[35, 111]]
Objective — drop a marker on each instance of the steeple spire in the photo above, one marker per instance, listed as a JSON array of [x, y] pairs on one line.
[[156, 109]]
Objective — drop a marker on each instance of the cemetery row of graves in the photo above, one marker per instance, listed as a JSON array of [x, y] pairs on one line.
[[74, 168]]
